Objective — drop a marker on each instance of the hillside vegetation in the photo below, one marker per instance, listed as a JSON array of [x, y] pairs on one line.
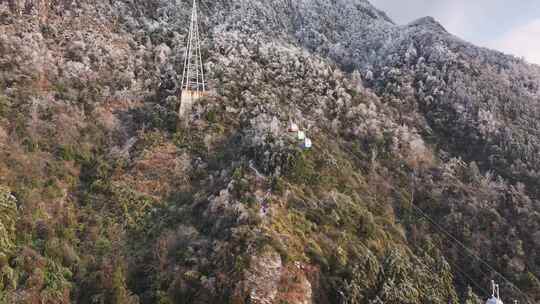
[[424, 145]]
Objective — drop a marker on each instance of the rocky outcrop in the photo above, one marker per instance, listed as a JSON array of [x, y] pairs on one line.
[[261, 279], [269, 281]]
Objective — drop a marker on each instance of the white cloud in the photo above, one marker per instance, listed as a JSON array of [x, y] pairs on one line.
[[523, 41]]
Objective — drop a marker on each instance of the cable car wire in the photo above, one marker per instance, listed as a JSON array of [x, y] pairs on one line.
[[464, 273], [455, 240], [471, 253]]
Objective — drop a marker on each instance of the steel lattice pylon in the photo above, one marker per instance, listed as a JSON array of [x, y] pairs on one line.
[[193, 82], [193, 74]]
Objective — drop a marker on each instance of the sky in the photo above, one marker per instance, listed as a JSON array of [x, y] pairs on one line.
[[510, 26]]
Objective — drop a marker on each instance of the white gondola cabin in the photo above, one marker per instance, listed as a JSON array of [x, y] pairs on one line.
[[301, 135], [307, 143], [293, 127], [495, 296]]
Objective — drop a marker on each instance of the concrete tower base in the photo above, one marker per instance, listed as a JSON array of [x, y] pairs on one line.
[[187, 99]]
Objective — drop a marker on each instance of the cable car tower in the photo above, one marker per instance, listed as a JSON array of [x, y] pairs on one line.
[[193, 82]]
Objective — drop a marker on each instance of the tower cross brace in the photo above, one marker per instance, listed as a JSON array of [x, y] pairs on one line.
[[193, 81], [193, 74]]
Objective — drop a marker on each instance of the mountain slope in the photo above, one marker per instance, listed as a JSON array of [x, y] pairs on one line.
[[115, 204]]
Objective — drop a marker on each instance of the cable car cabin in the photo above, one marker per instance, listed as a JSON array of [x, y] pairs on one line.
[[301, 135], [495, 297], [307, 144], [293, 127], [494, 300]]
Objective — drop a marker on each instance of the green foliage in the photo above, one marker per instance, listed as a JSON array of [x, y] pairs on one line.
[[103, 246], [184, 139], [131, 206], [278, 186], [163, 298], [52, 190], [67, 153], [30, 145], [303, 170], [61, 91], [364, 277], [472, 298], [198, 147], [5, 105], [531, 284], [8, 217], [211, 116], [59, 250], [179, 137], [152, 139], [8, 276], [315, 253], [95, 175], [120, 293], [156, 116], [367, 226], [280, 248], [241, 185], [249, 200], [57, 279], [400, 280]]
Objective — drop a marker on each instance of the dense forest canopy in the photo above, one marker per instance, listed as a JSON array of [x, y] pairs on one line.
[[422, 184]]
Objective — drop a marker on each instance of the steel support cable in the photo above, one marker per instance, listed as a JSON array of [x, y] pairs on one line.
[[453, 264], [464, 272], [459, 269], [444, 231], [471, 253], [472, 280], [476, 284]]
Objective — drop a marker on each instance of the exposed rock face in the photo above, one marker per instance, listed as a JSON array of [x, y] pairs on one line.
[[262, 278], [295, 286], [268, 281]]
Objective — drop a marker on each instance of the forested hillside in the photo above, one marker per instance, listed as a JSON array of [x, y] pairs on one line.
[[421, 185]]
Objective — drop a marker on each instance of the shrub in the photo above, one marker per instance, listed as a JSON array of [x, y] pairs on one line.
[[4, 105], [249, 200], [278, 186], [120, 293], [179, 138], [67, 152], [211, 116], [8, 216], [315, 253], [303, 171]]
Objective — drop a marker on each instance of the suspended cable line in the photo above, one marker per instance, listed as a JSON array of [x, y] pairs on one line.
[[467, 250], [464, 273], [471, 253], [468, 277]]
